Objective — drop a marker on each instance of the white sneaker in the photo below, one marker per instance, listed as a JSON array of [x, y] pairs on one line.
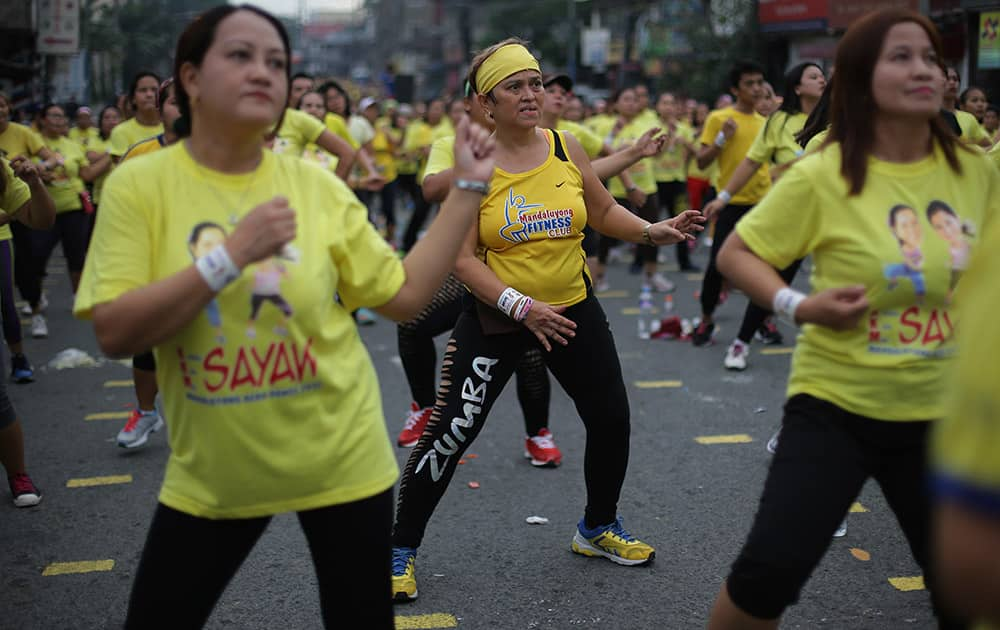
[[137, 429], [842, 530], [39, 328], [661, 284], [43, 305], [736, 356]]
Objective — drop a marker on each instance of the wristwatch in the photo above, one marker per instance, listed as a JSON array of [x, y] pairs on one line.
[[472, 185]]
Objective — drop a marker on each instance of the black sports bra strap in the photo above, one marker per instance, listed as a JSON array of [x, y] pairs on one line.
[[560, 150]]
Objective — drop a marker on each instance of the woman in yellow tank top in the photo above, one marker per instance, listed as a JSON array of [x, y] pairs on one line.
[[525, 269]]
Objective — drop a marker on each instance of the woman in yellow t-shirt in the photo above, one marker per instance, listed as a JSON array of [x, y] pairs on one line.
[[543, 191], [22, 197], [671, 167], [99, 150], [383, 148], [870, 370], [146, 122], [283, 415], [65, 178]]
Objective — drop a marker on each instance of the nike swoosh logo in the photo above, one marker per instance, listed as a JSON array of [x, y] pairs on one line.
[[560, 184]]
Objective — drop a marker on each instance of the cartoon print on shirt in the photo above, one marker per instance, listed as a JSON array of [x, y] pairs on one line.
[[267, 277], [905, 225], [205, 237], [956, 232]]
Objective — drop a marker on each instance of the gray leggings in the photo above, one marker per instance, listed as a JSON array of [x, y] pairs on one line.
[[7, 413]]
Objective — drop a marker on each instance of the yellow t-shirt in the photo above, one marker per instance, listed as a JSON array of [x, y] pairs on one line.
[[994, 154], [531, 229], [16, 193], [419, 135], [297, 130], [671, 164], [338, 127], [775, 144], [590, 141], [66, 185], [817, 141], [99, 145], [147, 146], [966, 443], [642, 171], [18, 140], [601, 124], [972, 131], [131, 132], [317, 154], [441, 158], [385, 156], [443, 129], [271, 397], [893, 366], [84, 137], [735, 149]]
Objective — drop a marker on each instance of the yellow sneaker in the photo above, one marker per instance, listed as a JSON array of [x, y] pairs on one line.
[[612, 542], [404, 578]]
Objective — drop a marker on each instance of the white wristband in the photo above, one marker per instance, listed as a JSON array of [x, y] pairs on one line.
[[508, 299], [720, 139], [217, 268], [724, 196], [786, 302]]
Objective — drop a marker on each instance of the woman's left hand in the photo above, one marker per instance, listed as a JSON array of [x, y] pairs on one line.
[[25, 169], [680, 228]]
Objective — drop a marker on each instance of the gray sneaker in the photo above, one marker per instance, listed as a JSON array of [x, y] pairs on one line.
[[137, 429], [842, 530], [772, 444]]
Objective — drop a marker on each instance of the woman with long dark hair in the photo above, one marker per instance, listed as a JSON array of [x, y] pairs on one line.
[[223, 258], [865, 387]]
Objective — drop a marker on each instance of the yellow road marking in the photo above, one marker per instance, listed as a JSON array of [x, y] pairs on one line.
[[125, 383], [613, 294], [777, 351], [88, 566], [658, 384], [857, 508], [907, 584], [425, 622], [739, 438], [90, 482], [861, 554], [693, 276], [107, 415], [634, 310]]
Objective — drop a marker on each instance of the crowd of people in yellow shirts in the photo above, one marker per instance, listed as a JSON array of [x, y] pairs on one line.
[[877, 174]]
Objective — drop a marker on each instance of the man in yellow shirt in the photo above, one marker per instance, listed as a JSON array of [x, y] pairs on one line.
[[726, 138]]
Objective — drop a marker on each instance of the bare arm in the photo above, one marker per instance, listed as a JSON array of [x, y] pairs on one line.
[[100, 161], [739, 179], [89, 172], [335, 145], [435, 187], [433, 257], [39, 212], [706, 155], [967, 554], [837, 308], [646, 146]]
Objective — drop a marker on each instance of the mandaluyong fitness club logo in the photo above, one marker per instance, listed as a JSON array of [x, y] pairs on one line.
[[525, 221]]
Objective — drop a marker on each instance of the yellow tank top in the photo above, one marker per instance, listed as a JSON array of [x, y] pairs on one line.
[[531, 228]]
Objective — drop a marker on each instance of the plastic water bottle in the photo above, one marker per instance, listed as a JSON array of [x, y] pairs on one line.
[[645, 311], [668, 305]]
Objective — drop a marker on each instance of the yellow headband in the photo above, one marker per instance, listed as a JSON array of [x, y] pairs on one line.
[[506, 61]]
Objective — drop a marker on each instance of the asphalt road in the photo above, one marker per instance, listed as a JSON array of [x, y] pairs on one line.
[[481, 565]]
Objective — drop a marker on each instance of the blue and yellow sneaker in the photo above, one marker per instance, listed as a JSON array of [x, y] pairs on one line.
[[612, 542], [404, 579]]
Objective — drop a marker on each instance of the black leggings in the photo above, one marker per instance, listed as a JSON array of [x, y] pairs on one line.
[[711, 284], [421, 209], [419, 357], [672, 195], [755, 315], [650, 211], [167, 593], [474, 372], [824, 457], [8, 310], [71, 229]]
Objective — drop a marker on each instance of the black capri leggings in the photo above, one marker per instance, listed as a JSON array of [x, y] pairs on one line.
[[8, 309], [167, 594], [415, 339], [475, 370], [824, 457], [650, 211], [71, 229], [711, 284], [672, 195]]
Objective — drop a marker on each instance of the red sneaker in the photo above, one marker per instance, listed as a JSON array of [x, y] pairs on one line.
[[24, 491], [542, 450], [414, 425]]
